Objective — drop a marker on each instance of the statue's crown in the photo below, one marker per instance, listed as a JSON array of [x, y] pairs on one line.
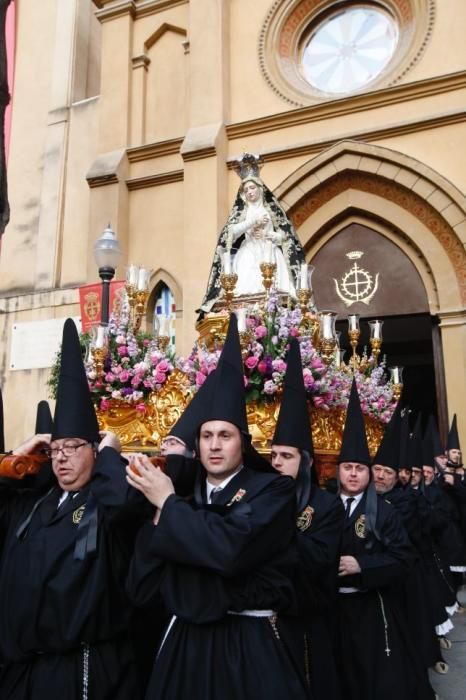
[[248, 165], [354, 254]]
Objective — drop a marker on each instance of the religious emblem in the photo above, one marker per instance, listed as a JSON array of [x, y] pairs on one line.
[[237, 497], [360, 526], [78, 514], [304, 520], [357, 284], [92, 306]]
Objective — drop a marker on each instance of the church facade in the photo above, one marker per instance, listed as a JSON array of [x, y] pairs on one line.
[[134, 112]]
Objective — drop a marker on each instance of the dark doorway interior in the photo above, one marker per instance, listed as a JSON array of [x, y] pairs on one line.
[[407, 343]]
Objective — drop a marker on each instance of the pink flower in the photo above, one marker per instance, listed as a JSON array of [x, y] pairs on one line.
[[141, 407], [162, 366], [200, 379], [160, 377], [124, 376], [122, 350], [279, 365], [294, 332], [262, 367], [104, 405], [251, 362], [317, 364], [135, 382], [260, 332], [109, 377], [318, 401]]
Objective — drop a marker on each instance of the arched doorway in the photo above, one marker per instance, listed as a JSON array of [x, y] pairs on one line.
[[425, 217], [358, 270]]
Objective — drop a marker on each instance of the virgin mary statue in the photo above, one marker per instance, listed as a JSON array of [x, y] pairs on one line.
[[257, 230]]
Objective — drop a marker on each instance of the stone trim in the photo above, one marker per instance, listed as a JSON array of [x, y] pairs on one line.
[[140, 183], [157, 149], [108, 11], [349, 105]]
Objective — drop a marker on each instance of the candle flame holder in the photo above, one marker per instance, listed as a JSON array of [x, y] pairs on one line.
[[98, 359], [354, 339], [228, 282], [162, 342], [376, 344], [268, 273]]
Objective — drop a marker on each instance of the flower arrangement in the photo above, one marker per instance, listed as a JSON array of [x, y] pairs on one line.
[[264, 358], [134, 367]]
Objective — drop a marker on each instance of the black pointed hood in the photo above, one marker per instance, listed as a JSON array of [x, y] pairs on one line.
[[354, 446], [224, 398], [44, 423], [428, 455], [293, 425], [388, 454], [404, 457], [2, 427], [435, 436], [74, 411], [415, 456], [188, 423], [453, 442]]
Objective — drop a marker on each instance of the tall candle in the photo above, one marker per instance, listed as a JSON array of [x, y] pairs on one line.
[[353, 322], [268, 251], [101, 337], [132, 273], [226, 260], [303, 279], [143, 279], [327, 327], [241, 316], [377, 326]]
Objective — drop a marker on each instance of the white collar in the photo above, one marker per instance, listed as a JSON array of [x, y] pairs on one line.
[[357, 498], [210, 487]]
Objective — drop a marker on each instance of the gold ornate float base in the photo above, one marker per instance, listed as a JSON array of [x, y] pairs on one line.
[[144, 431]]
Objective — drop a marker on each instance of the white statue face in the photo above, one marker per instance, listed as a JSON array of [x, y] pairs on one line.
[[251, 191]]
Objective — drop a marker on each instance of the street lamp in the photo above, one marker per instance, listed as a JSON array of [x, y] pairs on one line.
[[107, 255]]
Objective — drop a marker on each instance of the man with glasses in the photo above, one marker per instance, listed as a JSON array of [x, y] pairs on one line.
[[64, 616]]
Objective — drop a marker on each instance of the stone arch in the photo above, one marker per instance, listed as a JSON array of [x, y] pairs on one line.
[[157, 277], [390, 186]]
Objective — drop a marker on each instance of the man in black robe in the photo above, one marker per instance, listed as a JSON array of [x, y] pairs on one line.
[[63, 609], [222, 561], [375, 557], [319, 526]]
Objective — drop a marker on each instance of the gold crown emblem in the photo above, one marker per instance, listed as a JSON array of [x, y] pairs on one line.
[[354, 254]]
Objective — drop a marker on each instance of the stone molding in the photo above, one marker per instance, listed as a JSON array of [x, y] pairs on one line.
[[350, 105], [111, 9], [140, 183], [411, 185]]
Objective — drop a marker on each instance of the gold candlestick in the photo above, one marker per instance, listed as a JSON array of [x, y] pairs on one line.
[[327, 347], [268, 270], [98, 359], [131, 296], [244, 340], [376, 344], [140, 303], [354, 338], [228, 281], [162, 342], [397, 389]]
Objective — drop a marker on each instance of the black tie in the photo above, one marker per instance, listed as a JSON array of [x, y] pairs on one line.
[[349, 503], [215, 494]]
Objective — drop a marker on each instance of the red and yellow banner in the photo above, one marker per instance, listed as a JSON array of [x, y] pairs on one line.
[[90, 300]]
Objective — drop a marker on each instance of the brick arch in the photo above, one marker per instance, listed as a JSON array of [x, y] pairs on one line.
[[406, 184]]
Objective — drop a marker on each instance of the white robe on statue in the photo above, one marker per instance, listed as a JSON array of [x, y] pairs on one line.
[[253, 251]]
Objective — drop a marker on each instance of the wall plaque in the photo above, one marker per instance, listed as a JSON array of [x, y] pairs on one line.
[[34, 344]]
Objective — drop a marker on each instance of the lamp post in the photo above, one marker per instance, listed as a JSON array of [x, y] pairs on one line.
[[107, 255]]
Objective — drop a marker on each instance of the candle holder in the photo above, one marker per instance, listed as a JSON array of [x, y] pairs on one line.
[[140, 304], [303, 296], [268, 272], [98, 359], [162, 342], [327, 320], [396, 377], [376, 344], [228, 281], [327, 348], [244, 340]]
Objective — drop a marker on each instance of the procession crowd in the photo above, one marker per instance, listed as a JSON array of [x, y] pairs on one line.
[[217, 574]]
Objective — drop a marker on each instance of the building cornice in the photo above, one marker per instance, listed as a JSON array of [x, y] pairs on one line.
[[157, 149], [368, 135], [140, 183], [349, 105], [111, 9]]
